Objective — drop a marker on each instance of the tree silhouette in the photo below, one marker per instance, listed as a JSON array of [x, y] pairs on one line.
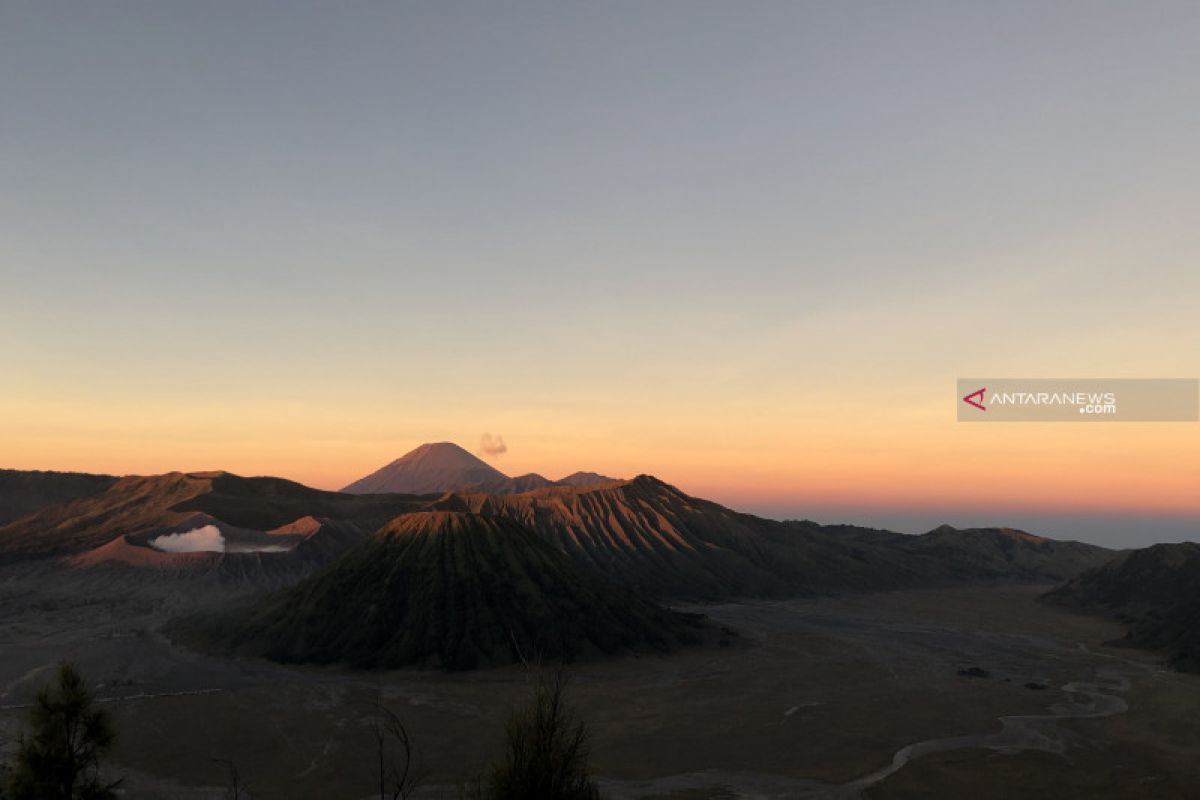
[[546, 750], [59, 757], [234, 791], [398, 776]]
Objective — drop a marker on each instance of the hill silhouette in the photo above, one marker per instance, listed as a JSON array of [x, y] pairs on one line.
[[649, 535], [432, 467], [136, 504], [1007, 553], [447, 590], [24, 492], [643, 534], [444, 467], [584, 479], [1153, 590]]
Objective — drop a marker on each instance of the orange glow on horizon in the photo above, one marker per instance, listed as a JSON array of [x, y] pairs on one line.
[[945, 467]]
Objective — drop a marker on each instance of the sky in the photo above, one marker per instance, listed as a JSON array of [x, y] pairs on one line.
[[745, 247]]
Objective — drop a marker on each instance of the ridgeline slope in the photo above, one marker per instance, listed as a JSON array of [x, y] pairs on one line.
[[451, 591]]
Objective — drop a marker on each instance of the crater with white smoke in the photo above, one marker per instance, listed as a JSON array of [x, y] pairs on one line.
[[207, 539]]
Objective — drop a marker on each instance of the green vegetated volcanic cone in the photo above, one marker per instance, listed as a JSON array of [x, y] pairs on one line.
[[455, 591]]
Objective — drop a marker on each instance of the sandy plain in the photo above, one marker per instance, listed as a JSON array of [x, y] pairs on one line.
[[974, 692]]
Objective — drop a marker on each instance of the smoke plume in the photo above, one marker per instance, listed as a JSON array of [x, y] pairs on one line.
[[199, 540], [492, 445]]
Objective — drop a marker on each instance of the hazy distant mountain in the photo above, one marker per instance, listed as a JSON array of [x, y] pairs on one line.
[[446, 467], [584, 479], [24, 492], [1008, 553], [654, 538], [449, 590], [432, 468], [524, 483], [1154, 590]]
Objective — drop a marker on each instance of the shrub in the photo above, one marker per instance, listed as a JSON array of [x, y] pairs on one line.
[[546, 750]]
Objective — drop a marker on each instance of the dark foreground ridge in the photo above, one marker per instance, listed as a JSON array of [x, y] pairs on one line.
[[452, 591], [1153, 590]]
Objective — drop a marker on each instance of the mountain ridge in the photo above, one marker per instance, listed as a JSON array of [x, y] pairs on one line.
[[135, 504], [643, 534], [451, 590], [1153, 591], [444, 466], [25, 492], [649, 535]]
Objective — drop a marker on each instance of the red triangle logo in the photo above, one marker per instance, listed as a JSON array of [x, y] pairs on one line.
[[978, 401]]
